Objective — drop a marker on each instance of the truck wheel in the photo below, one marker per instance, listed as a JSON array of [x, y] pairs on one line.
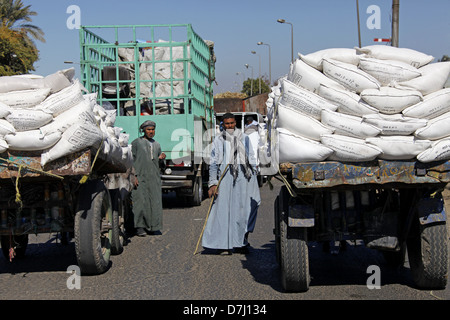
[[118, 225], [18, 242], [427, 252], [276, 230], [93, 228], [197, 192], [294, 253]]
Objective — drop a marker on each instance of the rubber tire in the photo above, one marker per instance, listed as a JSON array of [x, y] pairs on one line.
[[118, 227], [276, 230], [93, 249], [20, 240], [428, 255], [295, 275], [197, 192]]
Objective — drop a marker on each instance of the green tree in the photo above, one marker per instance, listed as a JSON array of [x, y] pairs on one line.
[[17, 55], [251, 87], [18, 51]]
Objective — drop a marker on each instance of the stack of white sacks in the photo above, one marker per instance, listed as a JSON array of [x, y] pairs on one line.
[[151, 69], [360, 104], [57, 116]]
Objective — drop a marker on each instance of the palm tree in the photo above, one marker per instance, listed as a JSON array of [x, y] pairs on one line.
[[15, 16]]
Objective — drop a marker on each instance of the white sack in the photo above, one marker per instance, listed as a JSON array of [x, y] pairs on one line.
[[347, 102], [63, 100], [24, 98], [387, 71], [6, 128], [349, 76], [123, 139], [409, 56], [294, 148], [29, 119], [303, 100], [4, 110], [31, 140], [349, 149], [436, 128], [80, 112], [391, 100], [349, 125], [315, 59], [432, 106], [305, 76], [15, 83], [3, 145], [433, 78], [399, 147], [300, 123], [395, 124], [59, 80], [439, 150], [77, 137], [110, 117]]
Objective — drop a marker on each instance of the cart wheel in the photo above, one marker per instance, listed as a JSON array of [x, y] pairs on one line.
[[427, 252], [118, 224], [294, 252], [93, 228], [18, 242]]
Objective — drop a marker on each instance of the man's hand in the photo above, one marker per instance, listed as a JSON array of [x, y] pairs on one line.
[[162, 156], [212, 191]]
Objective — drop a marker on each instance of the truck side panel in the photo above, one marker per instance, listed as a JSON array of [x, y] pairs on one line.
[[331, 173]]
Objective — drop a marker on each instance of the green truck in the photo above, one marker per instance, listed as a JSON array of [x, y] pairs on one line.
[[164, 73]]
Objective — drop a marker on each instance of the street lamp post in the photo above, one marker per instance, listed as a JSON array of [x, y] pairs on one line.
[[240, 73], [270, 61], [251, 82], [254, 52], [292, 37]]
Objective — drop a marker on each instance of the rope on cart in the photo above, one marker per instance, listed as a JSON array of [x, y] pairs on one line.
[[86, 176]]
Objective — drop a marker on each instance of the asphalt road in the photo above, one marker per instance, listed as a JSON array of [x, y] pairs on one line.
[[164, 267]]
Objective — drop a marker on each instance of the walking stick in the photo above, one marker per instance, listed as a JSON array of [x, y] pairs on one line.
[[209, 210]]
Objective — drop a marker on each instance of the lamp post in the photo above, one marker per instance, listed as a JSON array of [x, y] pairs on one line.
[[254, 52], [292, 37], [270, 61], [251, 81], [241, 73]]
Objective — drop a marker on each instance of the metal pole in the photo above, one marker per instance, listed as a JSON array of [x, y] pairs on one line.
[[254, 52], [292, 42], [395, 19], [270, 61], [251, 82], [359, 27], [292, 37]]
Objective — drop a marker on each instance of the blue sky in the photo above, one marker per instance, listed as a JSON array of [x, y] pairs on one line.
[[237, 26]]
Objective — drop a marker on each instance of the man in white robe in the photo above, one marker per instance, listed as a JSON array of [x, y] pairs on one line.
[[237, 197]]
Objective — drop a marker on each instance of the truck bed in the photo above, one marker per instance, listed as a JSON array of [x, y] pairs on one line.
[[377, 172], [76, 164]]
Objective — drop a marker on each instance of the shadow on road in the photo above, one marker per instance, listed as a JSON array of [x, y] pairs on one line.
[[348, 267], [48, 256]]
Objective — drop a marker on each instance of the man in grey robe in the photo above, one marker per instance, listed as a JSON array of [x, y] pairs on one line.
[[237, 197], [147, 196]]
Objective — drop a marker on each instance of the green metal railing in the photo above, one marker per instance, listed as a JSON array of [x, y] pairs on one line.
[[195, 96]]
